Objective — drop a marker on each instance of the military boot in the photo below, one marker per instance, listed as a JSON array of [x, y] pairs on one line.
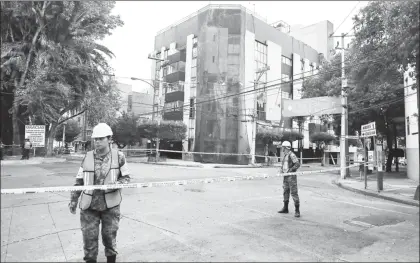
[[111, 259], [297, 212], [285, 208]]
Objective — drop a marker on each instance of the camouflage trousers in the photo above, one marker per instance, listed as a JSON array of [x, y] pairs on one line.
[[290, 186], [90, 220]]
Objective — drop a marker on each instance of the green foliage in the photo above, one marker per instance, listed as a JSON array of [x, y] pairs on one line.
[[168, 130], [125, 130], [319, 137], [267, 135], [72, 131], [102, 106], [51, 58]]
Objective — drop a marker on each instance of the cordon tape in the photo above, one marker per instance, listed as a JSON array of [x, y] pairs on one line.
[[158, 184]]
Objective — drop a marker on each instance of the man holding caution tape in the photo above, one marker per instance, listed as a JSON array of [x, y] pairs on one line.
[[289, 164], [103, 166]]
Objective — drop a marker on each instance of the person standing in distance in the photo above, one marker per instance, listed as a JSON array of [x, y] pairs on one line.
[[289, 164], [104, 165]]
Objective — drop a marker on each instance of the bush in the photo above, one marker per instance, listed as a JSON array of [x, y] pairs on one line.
[[268, 135], [168, 130]]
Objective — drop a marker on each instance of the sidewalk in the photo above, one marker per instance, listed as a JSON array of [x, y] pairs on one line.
[[15, 160], [396, 186]]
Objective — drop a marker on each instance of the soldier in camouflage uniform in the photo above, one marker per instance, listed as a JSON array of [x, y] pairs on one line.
[[102, 166], [289, 164]]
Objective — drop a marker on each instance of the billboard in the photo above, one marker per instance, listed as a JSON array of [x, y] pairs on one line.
[[311, 106], [36, 134]]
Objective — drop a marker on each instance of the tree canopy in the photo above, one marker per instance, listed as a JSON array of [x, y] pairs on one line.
[[72, 131], [384, 45], [50, 58]]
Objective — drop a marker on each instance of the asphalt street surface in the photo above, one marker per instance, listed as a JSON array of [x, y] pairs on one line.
[[225, 221]]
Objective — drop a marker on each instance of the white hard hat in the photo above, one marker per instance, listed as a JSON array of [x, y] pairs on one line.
[[101, 130], [286, 144]]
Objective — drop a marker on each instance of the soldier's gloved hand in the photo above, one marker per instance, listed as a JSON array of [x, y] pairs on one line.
[[72, 207]]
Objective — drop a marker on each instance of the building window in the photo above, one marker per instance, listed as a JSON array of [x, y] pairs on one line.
[[194, 62], [214, 38], [312, 68], [260, 63], [213, 59], [165, 54], [194, 40], [286, 60], [165, 71], [192, 108], [194, 52], [173, 106], [302, 65]]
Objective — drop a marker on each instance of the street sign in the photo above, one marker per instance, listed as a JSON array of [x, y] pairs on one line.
[[370, 160], [36, 134], [368, 130]]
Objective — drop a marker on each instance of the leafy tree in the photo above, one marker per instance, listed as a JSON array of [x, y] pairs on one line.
[[267, 135], [383, 46], [125, 130], [168, 130], [57, 63], [72, 131]]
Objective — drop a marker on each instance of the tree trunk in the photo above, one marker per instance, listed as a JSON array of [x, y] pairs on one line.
[[50, 140], [15, 121], [390, 155], [395, 147]]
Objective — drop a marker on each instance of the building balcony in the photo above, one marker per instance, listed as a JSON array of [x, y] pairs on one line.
[[175, 76], [177, 57], [174, 91], [173, 111]]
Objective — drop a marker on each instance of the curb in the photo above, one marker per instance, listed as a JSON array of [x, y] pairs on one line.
[[31, 162], [372, 194]]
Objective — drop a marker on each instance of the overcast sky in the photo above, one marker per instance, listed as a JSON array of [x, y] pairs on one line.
[[133, 42]]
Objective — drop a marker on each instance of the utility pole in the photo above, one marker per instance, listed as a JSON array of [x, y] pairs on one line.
[[344, 116], [259, 73], [64, 134], [157, 96]]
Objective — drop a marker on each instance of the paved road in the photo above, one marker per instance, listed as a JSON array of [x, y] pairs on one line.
[[230, 221]]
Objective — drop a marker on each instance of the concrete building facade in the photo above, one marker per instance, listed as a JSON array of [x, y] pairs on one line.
[[211, 59], [411, 125]]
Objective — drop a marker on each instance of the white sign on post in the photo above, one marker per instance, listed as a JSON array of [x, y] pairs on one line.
[[368, 130], [36, 134], [370, 160]]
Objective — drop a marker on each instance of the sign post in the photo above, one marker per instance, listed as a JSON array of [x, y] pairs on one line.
[[36, 134], [374, 159]]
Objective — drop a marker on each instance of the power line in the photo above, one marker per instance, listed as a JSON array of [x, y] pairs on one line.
[[266, 88], [345, 18]]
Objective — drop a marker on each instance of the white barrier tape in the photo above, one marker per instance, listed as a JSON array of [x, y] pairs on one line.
[[231, 154], [156, 184]]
